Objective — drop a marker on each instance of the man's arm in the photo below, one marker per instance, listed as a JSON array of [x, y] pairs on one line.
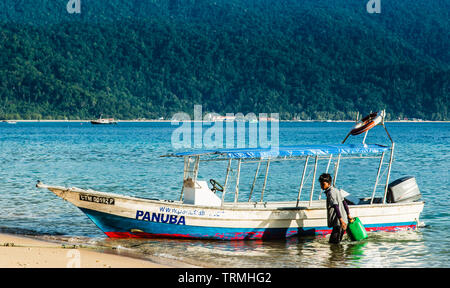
[[346, 208]]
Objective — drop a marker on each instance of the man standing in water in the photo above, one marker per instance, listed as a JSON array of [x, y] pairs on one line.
[[338, 214]]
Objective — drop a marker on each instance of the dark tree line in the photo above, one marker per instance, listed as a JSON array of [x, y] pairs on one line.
[[304, 59]]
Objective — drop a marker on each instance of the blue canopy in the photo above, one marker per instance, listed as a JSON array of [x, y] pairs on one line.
[[289, 151]]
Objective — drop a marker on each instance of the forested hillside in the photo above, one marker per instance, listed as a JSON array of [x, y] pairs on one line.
[[307, 59]]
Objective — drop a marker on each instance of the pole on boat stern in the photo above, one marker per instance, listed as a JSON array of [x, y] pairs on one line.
[[254, 180], [236, 192], [378, 176], [226, 181], [303, 179], [391, 158], [313, 180], [383, 114], [346, 137], [265, 180], [388, 133]]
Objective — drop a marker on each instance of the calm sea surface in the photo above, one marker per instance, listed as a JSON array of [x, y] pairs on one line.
[[124, 159]]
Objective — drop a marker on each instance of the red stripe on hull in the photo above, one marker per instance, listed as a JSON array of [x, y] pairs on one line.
[[144, 235], [244, 235], [392, 228]]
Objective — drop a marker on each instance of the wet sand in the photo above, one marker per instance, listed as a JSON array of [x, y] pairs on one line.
[[24, 252]]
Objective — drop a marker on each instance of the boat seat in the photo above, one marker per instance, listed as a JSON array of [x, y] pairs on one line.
[[364, 201]]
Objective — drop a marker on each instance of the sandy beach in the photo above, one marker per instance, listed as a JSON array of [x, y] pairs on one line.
[[23, 252]]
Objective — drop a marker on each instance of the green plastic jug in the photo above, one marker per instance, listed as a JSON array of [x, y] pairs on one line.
[[356, 230]]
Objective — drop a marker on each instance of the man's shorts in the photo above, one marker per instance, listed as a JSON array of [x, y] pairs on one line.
[[337, 234]]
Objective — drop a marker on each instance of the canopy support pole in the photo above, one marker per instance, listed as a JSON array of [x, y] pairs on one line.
[[392, 141], [365, 135], [254, 180], [226, 181], [391, 158], [197, 162], [313, 180], [186, 167], [329, 162], [302, 181], [326, 171], [236, 192], [336, 169], [378, 176], [265, 180]]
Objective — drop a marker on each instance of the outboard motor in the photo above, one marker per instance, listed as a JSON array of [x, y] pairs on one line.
[[403, 190]]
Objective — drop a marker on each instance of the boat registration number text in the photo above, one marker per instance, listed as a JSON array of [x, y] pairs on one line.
[[97, 199]]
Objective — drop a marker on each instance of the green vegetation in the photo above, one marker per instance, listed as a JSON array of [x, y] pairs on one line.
[[308, 59]]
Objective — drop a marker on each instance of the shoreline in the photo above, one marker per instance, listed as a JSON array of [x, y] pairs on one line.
[[21, 251]]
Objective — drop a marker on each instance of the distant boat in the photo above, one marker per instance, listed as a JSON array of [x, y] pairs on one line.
[[11, 122], [104, 121]]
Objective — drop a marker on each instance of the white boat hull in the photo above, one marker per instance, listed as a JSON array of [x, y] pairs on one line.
[[123, 217]]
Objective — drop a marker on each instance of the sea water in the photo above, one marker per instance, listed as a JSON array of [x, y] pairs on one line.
[[125, 159]]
